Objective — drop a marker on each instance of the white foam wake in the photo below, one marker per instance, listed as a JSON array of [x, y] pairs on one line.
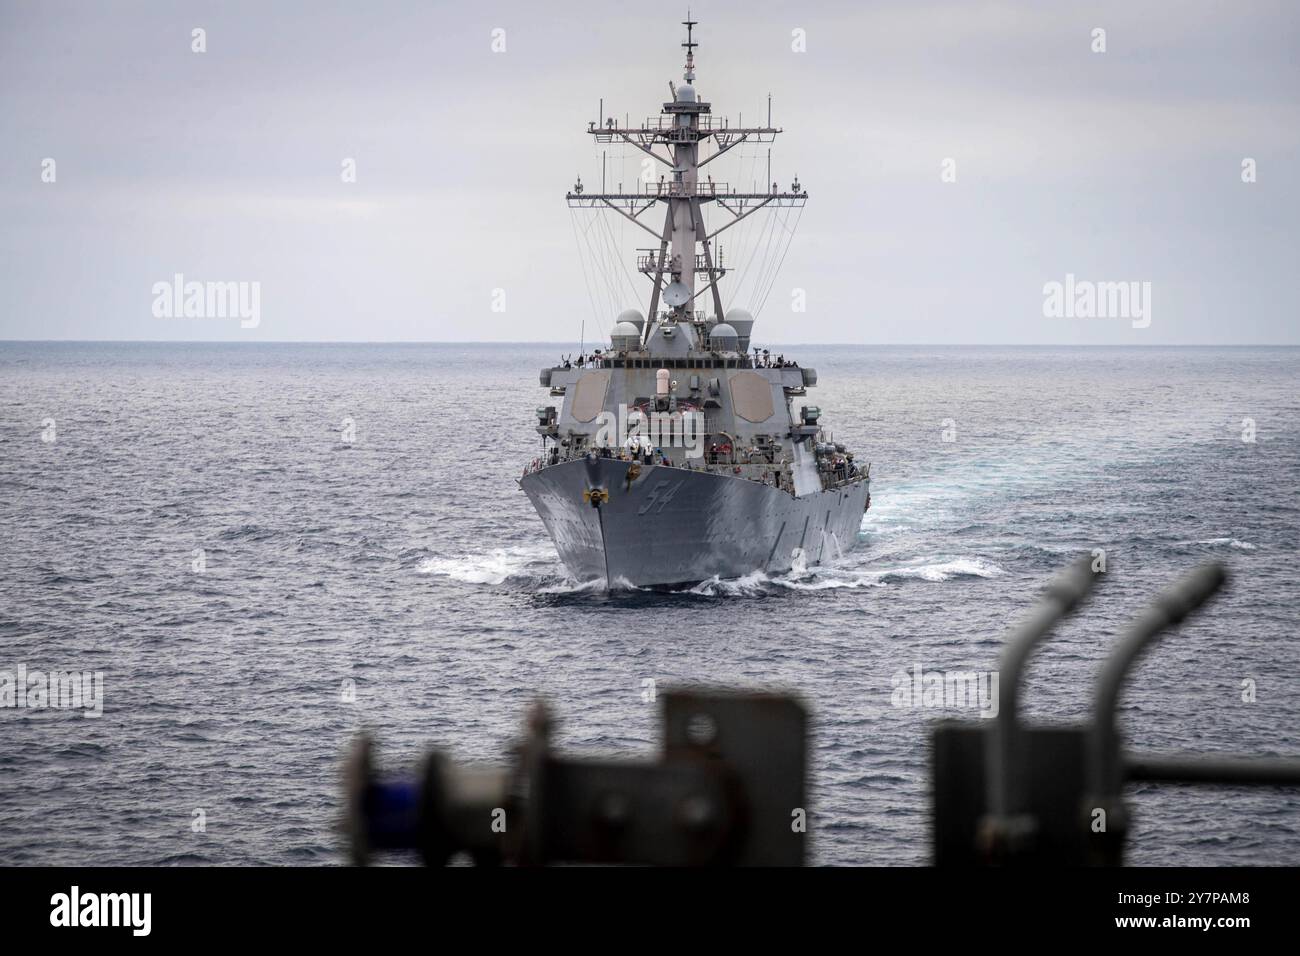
[[943, 571], [570, 586], [829, 577], [1230, 542], [493, 567], [748, 585], [538, 561]]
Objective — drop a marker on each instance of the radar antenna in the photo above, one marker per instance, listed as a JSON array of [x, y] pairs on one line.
[[674, 139]]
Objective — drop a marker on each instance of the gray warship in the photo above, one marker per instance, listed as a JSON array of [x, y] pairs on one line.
[[675, 455]]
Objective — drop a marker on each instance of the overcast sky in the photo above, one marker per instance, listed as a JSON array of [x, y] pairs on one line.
[[226, 165]]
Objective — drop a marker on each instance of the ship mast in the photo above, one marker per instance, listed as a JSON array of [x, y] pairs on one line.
[[674, 139]]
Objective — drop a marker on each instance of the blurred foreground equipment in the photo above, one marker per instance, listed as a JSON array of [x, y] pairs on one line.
[[728, 786], [727, 789], [1009, 793]]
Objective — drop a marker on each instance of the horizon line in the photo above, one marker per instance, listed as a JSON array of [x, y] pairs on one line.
[[565, 342]]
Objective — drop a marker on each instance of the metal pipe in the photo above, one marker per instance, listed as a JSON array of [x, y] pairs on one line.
[[1169, 608], [1064, 593], [1212, 768]]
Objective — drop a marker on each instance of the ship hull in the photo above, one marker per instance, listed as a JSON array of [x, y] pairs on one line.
[[667, 526]]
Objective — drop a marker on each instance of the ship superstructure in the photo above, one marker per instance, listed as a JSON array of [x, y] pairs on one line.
[[675, 454]]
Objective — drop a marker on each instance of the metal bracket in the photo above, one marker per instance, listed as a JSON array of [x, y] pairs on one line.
[[1037, 790]]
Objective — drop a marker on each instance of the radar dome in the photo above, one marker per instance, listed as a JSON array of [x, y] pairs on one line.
[[743, 322], [686, 93], [723, 337], [633, 316], [625, 335]]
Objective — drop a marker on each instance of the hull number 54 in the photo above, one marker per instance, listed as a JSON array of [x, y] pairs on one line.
[[659, 497]]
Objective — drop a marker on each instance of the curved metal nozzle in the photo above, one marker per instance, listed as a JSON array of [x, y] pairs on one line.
[[1064, 593], [1168, 609]]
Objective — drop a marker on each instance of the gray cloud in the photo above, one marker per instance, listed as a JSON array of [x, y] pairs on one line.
[[225, 165]]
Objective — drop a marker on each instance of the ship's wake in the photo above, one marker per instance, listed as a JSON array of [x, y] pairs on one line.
[[841, 575], [516, 563], [536, 568]]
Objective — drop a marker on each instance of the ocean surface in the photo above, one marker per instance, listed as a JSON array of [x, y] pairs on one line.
[[406, 563]]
